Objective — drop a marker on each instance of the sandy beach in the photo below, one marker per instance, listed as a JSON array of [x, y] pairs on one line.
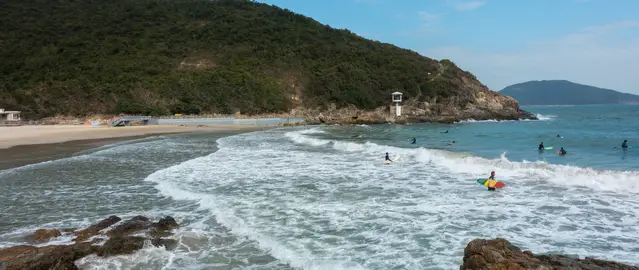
[[25, 145], [48, 134]]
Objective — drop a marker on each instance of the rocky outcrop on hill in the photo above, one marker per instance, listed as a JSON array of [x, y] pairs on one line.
[[484, 105], [123, 238], [500, 254]]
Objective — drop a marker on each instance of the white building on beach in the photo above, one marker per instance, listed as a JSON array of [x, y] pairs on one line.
[[9, 117]]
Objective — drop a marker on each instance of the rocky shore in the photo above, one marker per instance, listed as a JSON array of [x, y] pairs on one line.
[[483, 104], [108, 237], [499, 254], [112, 236]]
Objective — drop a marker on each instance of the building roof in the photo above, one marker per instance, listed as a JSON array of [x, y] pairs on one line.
[[396, 93], [9, 112]]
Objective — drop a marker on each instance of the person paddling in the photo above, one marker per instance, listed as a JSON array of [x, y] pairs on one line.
[[562, 151], [624, 145]]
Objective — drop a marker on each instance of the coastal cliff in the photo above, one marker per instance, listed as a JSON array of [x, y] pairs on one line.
[[197, 57]]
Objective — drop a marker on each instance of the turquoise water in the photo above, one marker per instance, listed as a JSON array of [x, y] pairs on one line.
[[592, 136], [317, 198]]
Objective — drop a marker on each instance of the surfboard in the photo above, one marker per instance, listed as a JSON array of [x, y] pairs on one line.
[[393, 159], [546, 148], [485, 182]]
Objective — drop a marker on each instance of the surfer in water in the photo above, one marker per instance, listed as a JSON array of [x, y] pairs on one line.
[[558, 136], [541, 146], [413, 140], [562, 152], [492, 177], [445, 131], [624, 145], [387, 157]]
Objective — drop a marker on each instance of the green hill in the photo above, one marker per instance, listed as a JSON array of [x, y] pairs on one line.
[[561, 92], [80, 57]]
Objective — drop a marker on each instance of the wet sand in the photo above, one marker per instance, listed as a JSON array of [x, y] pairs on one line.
[[46, 134], [20, 146]]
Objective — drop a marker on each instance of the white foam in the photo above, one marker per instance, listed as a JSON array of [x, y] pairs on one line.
[[545, 117], [469, 165], [539, 116], [149, 257], [316, 203]]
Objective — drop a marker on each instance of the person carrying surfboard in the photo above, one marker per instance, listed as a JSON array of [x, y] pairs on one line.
[[624, 145], [541, 146], [491, 184]]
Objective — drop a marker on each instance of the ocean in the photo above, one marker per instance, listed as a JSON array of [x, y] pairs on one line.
[[320, 197]]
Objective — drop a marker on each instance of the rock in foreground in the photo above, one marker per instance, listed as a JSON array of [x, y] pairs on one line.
[[500, 254], [125, 238]]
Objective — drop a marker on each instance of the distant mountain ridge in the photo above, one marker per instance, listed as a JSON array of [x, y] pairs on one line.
[[562, 92]]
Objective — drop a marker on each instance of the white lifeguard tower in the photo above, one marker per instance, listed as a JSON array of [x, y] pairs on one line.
[[397, 99]]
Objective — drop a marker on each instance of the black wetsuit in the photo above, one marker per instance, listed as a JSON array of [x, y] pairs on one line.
[[388, 158], [624, 145], [541, 147]]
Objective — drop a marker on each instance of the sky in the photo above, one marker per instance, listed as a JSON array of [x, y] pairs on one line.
[[502, 42]]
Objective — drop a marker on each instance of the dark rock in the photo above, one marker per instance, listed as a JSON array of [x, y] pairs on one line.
[[94, 229], [10, 253], [134, 225], [163, 227], [121, 245], [50, 257], [60, 257], [166, 223], [43, 235], [500, 254], [168, 244]]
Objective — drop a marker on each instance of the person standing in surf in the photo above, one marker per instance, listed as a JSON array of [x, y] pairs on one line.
[[491, 184], [413, 140], [624, 145], [541, 146], [387, 157]]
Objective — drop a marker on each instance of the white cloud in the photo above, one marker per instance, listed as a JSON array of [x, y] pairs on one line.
[[428, 17], [594, 56], [427, 27], [469, 5]]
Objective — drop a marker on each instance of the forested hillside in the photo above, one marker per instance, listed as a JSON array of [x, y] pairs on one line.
[[78, 57]]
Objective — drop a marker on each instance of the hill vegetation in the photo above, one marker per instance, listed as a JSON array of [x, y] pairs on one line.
[[158, 57], [561, 92]]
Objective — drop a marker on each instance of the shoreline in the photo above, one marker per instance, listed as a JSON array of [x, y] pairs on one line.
[[20, 146], [49, 134]]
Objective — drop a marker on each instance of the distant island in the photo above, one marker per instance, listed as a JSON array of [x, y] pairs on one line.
[[562, 92]]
